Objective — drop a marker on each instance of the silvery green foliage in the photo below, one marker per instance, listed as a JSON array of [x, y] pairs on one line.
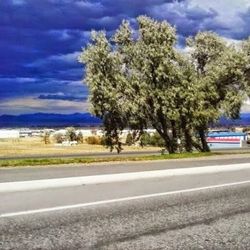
[[138, 79], [221, 82], [246, 51], [105, 81], [132, 83]]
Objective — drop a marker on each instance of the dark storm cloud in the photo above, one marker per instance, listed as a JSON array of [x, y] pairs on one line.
[[63, 98], [21, 87], [72, 14], [244, 31], [188, 20]]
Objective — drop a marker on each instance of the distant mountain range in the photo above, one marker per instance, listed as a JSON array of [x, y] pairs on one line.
[[243, 121], [83, 120], [49, 120]]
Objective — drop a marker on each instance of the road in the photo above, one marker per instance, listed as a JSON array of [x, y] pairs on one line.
[[73, 170], [191, 211]]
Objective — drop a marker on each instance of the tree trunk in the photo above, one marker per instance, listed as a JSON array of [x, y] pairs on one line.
[[171, 148], [174, 137], [197, 145], [168, 143], [163, 131], [188, 140], [202, 135], [167, 140], [188, 143]]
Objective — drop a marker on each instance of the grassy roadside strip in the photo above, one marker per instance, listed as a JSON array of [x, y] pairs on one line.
[[88, 160]]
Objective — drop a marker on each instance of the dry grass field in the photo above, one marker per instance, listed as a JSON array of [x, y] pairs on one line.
[[35, 146]]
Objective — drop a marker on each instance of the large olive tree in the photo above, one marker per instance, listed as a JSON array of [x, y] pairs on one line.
[[139, 79], [221, 81]]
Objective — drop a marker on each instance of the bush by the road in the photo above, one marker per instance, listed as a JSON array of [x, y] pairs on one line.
[[59, 138], [80, 138], [151, 140], [93, 140], [129, 139]]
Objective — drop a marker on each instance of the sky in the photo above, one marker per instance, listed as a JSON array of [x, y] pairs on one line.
[[40, 41]]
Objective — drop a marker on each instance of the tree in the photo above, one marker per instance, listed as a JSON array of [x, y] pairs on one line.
[[129, 139], [129, 86], [58, 137], [71, 134], [79, 138], [143, 81], [220, 87], [246, 52], [46, 137], [102, 77]]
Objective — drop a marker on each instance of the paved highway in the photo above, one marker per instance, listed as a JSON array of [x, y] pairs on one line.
[[73, 170], [191, 211]]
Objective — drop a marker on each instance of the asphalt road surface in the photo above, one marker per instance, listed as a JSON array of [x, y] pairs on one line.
[[72, 170], [202, 211]]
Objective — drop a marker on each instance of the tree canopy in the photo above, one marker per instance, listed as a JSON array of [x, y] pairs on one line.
[[138, 79]]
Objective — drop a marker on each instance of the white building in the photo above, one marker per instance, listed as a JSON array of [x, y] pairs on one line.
[[9, 133], [90, 132], [60, 131]]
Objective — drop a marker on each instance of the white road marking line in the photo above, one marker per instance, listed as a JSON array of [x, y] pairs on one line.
[[121, 177], [104, 202]]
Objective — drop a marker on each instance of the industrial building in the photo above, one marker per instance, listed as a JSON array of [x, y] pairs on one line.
[[223, 140], [9, 134]]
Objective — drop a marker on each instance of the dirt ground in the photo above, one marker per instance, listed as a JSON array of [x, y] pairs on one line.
[[36, 146]]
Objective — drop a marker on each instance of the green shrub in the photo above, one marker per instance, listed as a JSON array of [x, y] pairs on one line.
[[129, 139], [145, 139], [156, 140]]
